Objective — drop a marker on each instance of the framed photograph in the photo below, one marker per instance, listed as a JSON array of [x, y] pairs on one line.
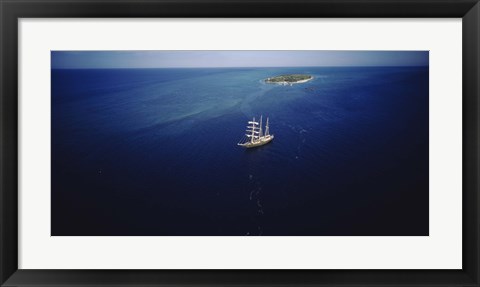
[[227, 143]]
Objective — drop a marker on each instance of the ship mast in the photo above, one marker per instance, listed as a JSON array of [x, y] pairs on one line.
[[253, 130], [260, 130], [266, 128]]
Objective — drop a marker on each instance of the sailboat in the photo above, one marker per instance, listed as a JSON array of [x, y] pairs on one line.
[[255, 136]]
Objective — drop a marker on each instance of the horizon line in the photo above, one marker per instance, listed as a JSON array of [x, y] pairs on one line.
[[229, 67]]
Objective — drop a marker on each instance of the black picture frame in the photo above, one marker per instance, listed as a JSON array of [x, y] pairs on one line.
[[11, 11]]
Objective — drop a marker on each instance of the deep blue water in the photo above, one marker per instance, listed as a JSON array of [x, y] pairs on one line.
[[153, 152]]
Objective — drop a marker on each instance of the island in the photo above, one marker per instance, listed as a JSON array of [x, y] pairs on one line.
[[289, 79]]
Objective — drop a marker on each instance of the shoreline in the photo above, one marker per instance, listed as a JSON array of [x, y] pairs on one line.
[[284, 83]]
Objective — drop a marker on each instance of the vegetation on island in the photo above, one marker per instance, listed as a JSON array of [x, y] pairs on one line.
[[289, 79]]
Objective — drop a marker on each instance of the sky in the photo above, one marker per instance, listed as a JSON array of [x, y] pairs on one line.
[[214, 59]]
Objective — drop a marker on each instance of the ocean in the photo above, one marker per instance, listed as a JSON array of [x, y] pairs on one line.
[[153, 152]]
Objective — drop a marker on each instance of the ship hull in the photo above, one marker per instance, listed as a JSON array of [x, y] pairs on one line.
[[261, 142]]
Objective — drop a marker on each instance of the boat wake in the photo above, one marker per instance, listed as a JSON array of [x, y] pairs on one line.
[[255, 197]]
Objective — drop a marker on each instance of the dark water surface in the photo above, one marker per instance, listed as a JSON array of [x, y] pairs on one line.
[[153, 152]]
